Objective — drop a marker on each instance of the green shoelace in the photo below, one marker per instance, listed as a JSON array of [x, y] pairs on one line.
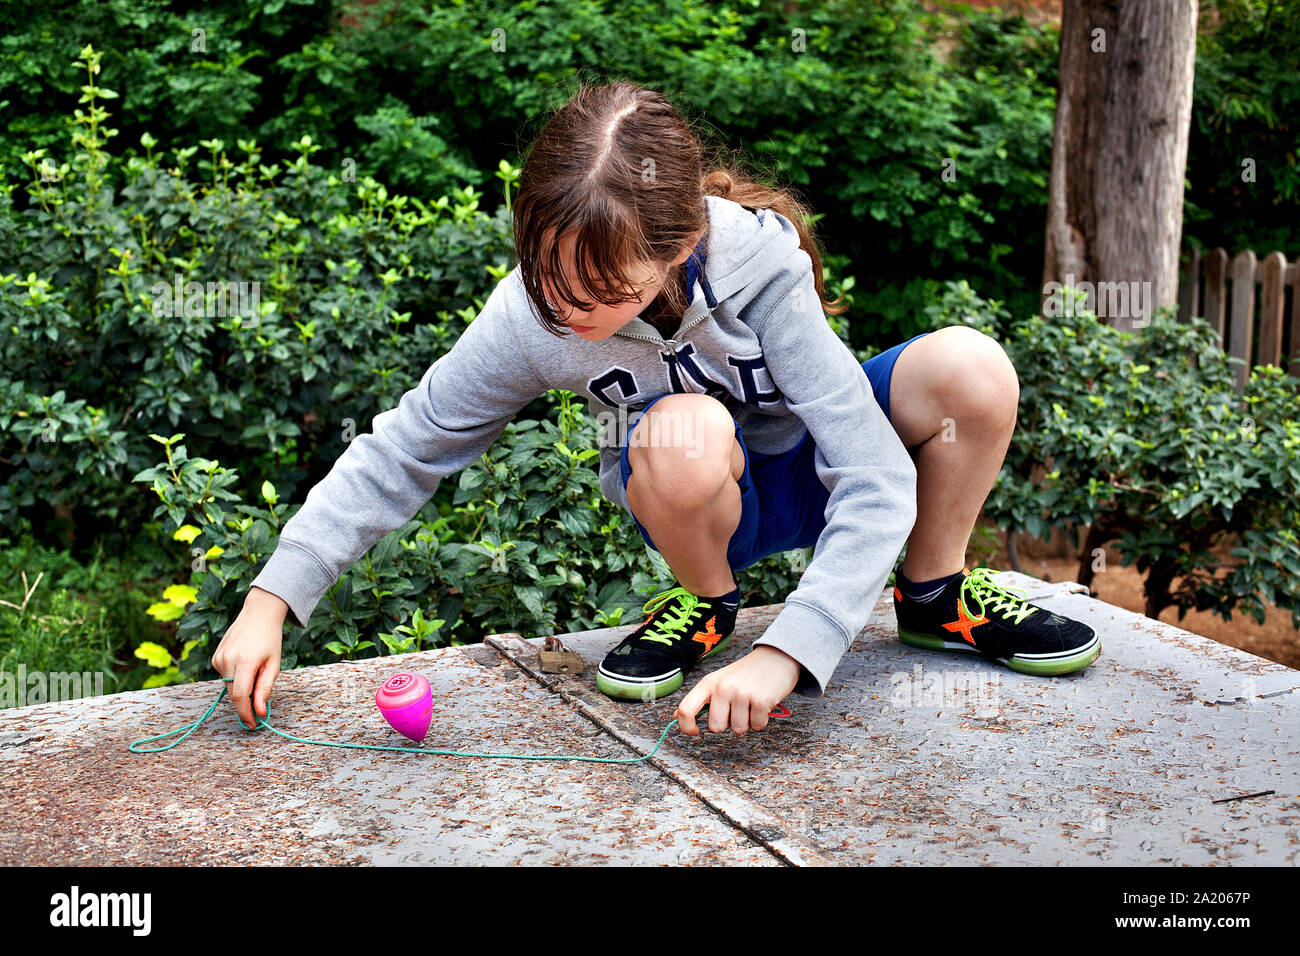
[[980, 587], [666, 630]]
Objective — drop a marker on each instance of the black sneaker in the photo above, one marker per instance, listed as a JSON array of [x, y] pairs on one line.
[[680, 629], [974, 615]]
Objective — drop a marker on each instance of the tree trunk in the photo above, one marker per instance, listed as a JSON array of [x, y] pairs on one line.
[[1097, 536], [1119, 154], [1157, 586]]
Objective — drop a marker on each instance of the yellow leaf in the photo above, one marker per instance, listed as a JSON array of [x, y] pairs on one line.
[[165, 611], [155, 654], [180, 594]]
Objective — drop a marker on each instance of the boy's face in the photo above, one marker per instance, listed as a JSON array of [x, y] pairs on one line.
[[604, 320]]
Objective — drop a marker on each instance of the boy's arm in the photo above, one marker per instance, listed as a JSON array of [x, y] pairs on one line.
[[462, 404], [860, 459]]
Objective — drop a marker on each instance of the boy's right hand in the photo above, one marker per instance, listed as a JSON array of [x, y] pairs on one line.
[[250, 653]]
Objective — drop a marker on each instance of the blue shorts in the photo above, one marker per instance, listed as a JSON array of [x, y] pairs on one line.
[[783, 502]]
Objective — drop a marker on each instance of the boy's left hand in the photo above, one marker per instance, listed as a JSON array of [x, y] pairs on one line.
[[742, 694]]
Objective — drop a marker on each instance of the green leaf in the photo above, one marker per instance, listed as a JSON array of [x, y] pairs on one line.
[[170, 676]]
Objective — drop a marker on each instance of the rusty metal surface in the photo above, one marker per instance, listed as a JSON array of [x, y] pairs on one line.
[[70, 793], [911, 757], [924, 757]]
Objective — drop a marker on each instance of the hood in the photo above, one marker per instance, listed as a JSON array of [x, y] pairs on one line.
[[743, 246]]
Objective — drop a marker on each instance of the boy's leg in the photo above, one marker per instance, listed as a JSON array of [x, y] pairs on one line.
[[953, 399], [683, 488], [686, 463]]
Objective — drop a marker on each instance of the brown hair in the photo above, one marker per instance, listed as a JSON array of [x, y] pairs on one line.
[[620, 167]]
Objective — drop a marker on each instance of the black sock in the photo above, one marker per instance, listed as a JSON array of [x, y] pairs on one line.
[[731, 599], [922, 592]]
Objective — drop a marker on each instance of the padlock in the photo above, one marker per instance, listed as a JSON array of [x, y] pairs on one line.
[[558, 659]]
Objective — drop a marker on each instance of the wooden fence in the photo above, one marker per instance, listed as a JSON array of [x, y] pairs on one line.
[[1225, 292]]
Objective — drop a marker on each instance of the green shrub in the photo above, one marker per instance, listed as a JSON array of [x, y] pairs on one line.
[[426, 98], [349, 292], [1141, 437], [270, 71], [58, 615], [853, 101], [1245, 103]]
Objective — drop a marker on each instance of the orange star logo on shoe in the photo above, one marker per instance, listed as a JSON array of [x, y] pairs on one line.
[[965, 624], [708, 637]]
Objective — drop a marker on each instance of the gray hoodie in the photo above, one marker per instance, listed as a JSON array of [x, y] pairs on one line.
[[753, 335]]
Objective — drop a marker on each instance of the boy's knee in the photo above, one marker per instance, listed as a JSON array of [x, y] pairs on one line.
[[682, 447], [975, 371]]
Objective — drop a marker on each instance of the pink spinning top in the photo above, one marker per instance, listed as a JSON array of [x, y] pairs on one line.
[[406, 701]]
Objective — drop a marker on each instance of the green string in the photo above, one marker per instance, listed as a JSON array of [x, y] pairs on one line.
[[188, 729]]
